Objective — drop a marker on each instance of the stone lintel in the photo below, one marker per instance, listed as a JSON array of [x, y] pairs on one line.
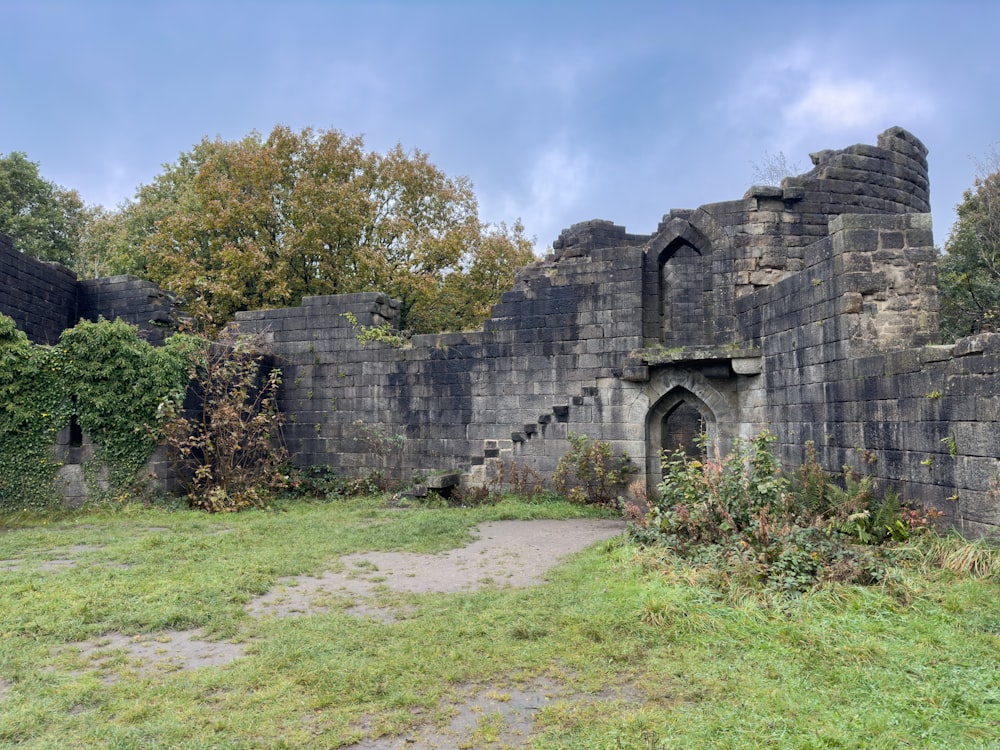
[[691, 354]]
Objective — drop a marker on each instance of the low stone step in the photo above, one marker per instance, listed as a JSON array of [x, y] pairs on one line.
[[443, 479]]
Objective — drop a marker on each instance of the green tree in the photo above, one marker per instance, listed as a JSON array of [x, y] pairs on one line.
[[969, 272], [235, 225], [45, 220]]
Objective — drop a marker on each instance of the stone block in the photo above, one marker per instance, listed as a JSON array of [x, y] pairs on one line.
[[976, 438], [983, 342]]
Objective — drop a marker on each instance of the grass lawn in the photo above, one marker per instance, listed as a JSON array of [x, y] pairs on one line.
[[635, 651]]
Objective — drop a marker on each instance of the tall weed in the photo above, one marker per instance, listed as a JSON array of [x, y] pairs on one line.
[[747, 518], [590, 473], [228, 447]]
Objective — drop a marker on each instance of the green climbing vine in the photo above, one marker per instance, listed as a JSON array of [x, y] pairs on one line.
[[102, 373], [32, 411]]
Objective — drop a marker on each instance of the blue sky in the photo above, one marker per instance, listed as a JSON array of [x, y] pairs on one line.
[[558, 112]]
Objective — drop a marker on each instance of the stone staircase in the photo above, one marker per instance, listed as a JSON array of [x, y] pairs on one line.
[[540, 442]]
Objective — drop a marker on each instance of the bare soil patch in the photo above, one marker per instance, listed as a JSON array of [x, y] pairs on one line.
[[63, 557], [495, 717], [505, 554], [164, 651]]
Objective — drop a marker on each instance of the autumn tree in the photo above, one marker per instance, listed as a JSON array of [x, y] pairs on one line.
[[487, 270], [234, 225], [969, 272], [44, 220]]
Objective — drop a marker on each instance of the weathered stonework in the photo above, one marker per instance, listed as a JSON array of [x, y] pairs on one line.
[[39, 296], [44, 299], [808, 308]]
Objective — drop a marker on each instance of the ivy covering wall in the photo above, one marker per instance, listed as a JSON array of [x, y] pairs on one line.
[[113, 382]]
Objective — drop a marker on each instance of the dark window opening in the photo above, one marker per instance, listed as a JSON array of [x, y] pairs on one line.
[[75, 433]]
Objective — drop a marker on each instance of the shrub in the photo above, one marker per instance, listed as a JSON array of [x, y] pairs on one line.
[[713, 502], [590, 473], [519, 479], [228, 448], [323, 482], [385, 447], [743, 513], [476, 496]]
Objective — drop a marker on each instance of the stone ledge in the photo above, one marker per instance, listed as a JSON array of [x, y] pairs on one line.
[[979, 344], [684, 354]]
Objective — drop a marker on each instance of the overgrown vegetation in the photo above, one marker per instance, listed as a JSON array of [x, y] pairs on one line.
[[744, 517], [384, 332], [103, 376], [590, 473], [384, 450], [31, 414], [320, 482], [227, 444], [127, 396]]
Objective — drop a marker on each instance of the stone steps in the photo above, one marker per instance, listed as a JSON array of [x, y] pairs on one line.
[[498, 453]]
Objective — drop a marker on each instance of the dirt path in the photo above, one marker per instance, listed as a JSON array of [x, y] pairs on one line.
[[504, 554]]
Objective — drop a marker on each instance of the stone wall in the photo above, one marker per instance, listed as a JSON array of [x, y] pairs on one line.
[[39, 296], [809, 309], [850, 364], [457, 399], [44, 299], [141, 303]]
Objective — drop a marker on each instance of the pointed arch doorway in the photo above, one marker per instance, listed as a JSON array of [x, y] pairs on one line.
[[676, 422]]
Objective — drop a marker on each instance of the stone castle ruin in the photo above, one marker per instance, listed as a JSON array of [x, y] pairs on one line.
[[808, 309]]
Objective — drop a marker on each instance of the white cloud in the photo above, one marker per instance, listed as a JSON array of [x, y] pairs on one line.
[[827, 104], [796, 94], [835, 105], [553, 186]]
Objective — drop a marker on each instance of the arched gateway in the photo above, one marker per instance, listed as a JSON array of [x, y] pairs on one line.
[[684, 404]]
